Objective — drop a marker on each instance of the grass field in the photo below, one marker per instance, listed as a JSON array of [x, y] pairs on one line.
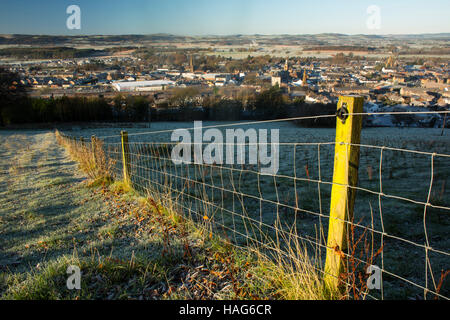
[[127, 246], [139, 245], [231, 195]]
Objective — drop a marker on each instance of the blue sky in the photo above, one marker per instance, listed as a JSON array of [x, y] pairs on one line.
[[202, 17]]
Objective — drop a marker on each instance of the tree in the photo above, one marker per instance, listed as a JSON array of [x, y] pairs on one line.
[[139, 108], [270, 102], [14, 105], [183, 96]]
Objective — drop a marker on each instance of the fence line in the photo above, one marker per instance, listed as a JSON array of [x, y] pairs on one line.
[[259, 208], [284, 120], [319, 181]]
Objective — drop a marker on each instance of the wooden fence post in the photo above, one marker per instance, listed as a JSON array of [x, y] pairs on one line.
[[125, 158], [93, 140], [443, 124], [346, 163]]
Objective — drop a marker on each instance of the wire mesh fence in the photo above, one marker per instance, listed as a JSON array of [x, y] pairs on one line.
[[401, 215]]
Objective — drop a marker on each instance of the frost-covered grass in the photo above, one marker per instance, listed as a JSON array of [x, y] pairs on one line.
[[51, 219], [127, 245]]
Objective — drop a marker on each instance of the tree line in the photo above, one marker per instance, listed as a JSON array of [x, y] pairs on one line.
[[268, 105], [49, 53], [74, 109], [16, 107]]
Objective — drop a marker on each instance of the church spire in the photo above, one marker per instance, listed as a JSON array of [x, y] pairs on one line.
[[191, 64], [305, 77]]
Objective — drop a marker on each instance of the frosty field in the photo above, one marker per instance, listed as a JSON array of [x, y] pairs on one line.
[[251, 208]]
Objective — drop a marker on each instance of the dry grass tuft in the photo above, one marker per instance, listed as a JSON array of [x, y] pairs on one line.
[[288, 271], [91, 158]]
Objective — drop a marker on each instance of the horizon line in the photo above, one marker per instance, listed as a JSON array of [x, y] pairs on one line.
[[225, 35]]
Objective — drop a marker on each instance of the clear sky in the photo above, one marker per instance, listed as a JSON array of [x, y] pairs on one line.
[[221, 17]]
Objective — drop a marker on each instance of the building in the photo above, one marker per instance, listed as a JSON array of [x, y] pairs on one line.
[[150, 85], [351, 90], [276, 81]]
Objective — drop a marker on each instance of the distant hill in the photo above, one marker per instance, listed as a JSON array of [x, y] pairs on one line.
[[20, 39], [237, 39]]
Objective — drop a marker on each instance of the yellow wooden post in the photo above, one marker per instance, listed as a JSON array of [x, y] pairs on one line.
[[346, 162], [93, 140], [125, 157]]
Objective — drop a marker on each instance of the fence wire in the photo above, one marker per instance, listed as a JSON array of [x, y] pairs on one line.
[[402, 207]]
